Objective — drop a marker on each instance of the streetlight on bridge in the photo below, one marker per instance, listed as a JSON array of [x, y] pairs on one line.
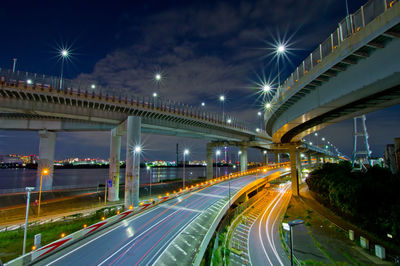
[[217, 153], [222, 100], [28, 192], [64, 53], [185, 152], [280, 50], [44, 172]]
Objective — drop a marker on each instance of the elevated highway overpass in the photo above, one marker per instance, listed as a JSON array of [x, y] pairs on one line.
[[356, 70]]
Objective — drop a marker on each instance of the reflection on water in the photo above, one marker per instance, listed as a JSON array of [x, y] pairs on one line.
[[20, 177]]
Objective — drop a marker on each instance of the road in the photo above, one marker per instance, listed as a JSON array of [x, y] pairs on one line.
[[264, 243], [141, 239]]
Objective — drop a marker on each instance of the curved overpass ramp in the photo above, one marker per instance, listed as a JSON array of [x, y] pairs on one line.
[[355, 71]]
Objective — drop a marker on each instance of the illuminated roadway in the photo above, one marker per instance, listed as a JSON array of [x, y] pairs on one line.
[[265, 247], [140, 240]]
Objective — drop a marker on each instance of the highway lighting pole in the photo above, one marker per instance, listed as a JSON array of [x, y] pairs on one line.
[[260, 117], [239, 155], [291, 225], [222, 99], [280, 49], [217, 153], [136, 156], [64, 54], [44, 172], [185, 152], [28, 192], [14, 64], [150, 177]]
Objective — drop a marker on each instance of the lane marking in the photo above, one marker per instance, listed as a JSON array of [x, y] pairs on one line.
[[180, 208]]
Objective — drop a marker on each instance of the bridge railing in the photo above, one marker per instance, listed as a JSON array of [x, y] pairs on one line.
[[88, 89], [346, 28]]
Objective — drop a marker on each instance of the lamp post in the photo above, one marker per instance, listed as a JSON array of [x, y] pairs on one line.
[[239, 155], [222, 100], [64, 54], [280, 49], [150, 178], [185, 152], [28, 192], [260, 117], [217, 153], [14, 64], [136, 157], [44, 172], [291, 225]]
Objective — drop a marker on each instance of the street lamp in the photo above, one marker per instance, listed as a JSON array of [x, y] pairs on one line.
[[222, 99], [136, 157], [44, 172], [280, 49], [150, 177], [28, 192], [217, 153], [185, 152], [64, 53], [260, 117], [239, 157], [203, 104], [291, 225], [268, 105]]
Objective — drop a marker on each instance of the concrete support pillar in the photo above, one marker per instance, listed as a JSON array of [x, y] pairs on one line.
[[309, 160], [277, 157], [209, 154], [243, 158], [299, 166], [47, 147], [293, 169], [133, 139], [318, 159], [115, 158]]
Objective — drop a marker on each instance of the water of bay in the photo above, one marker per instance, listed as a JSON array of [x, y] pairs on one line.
[[19, 178]]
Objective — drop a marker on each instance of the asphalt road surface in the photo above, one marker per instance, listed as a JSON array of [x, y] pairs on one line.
[[265, 246], [141, 239]]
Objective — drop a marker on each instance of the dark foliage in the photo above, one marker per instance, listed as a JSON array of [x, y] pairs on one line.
[[369, 199]]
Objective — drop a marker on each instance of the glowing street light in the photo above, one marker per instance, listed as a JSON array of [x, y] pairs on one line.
[[268, 105], [148, 168], [64, 53], [229, 121], [280, 50], [155, 94], [44, 172], [29, 81], [93, 86], [222, 99], [157, 77], [203, 104], [185, 152], [266, 88]]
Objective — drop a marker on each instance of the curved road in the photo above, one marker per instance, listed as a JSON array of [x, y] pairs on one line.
[[264, 243], [141, 239]]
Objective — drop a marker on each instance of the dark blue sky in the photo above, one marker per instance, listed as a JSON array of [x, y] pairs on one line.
[[204, 48]]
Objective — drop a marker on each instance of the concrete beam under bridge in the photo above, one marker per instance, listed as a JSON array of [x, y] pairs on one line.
[[114, 170]]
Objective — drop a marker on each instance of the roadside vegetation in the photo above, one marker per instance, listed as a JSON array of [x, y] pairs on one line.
[[369, 199], [11, 241]]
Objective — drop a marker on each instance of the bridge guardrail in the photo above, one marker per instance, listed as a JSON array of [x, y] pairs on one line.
[[57, 245], [90, 90], [346, 28]]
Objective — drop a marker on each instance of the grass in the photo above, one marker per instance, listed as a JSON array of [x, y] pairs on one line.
[[11, 241]]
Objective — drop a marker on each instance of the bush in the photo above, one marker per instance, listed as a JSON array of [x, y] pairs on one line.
[[370, 199]]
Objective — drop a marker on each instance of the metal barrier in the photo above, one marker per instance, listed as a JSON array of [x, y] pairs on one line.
[[90, 90], [347, 27]]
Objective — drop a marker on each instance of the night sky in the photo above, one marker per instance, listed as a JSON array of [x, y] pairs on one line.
[[202, 48]]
